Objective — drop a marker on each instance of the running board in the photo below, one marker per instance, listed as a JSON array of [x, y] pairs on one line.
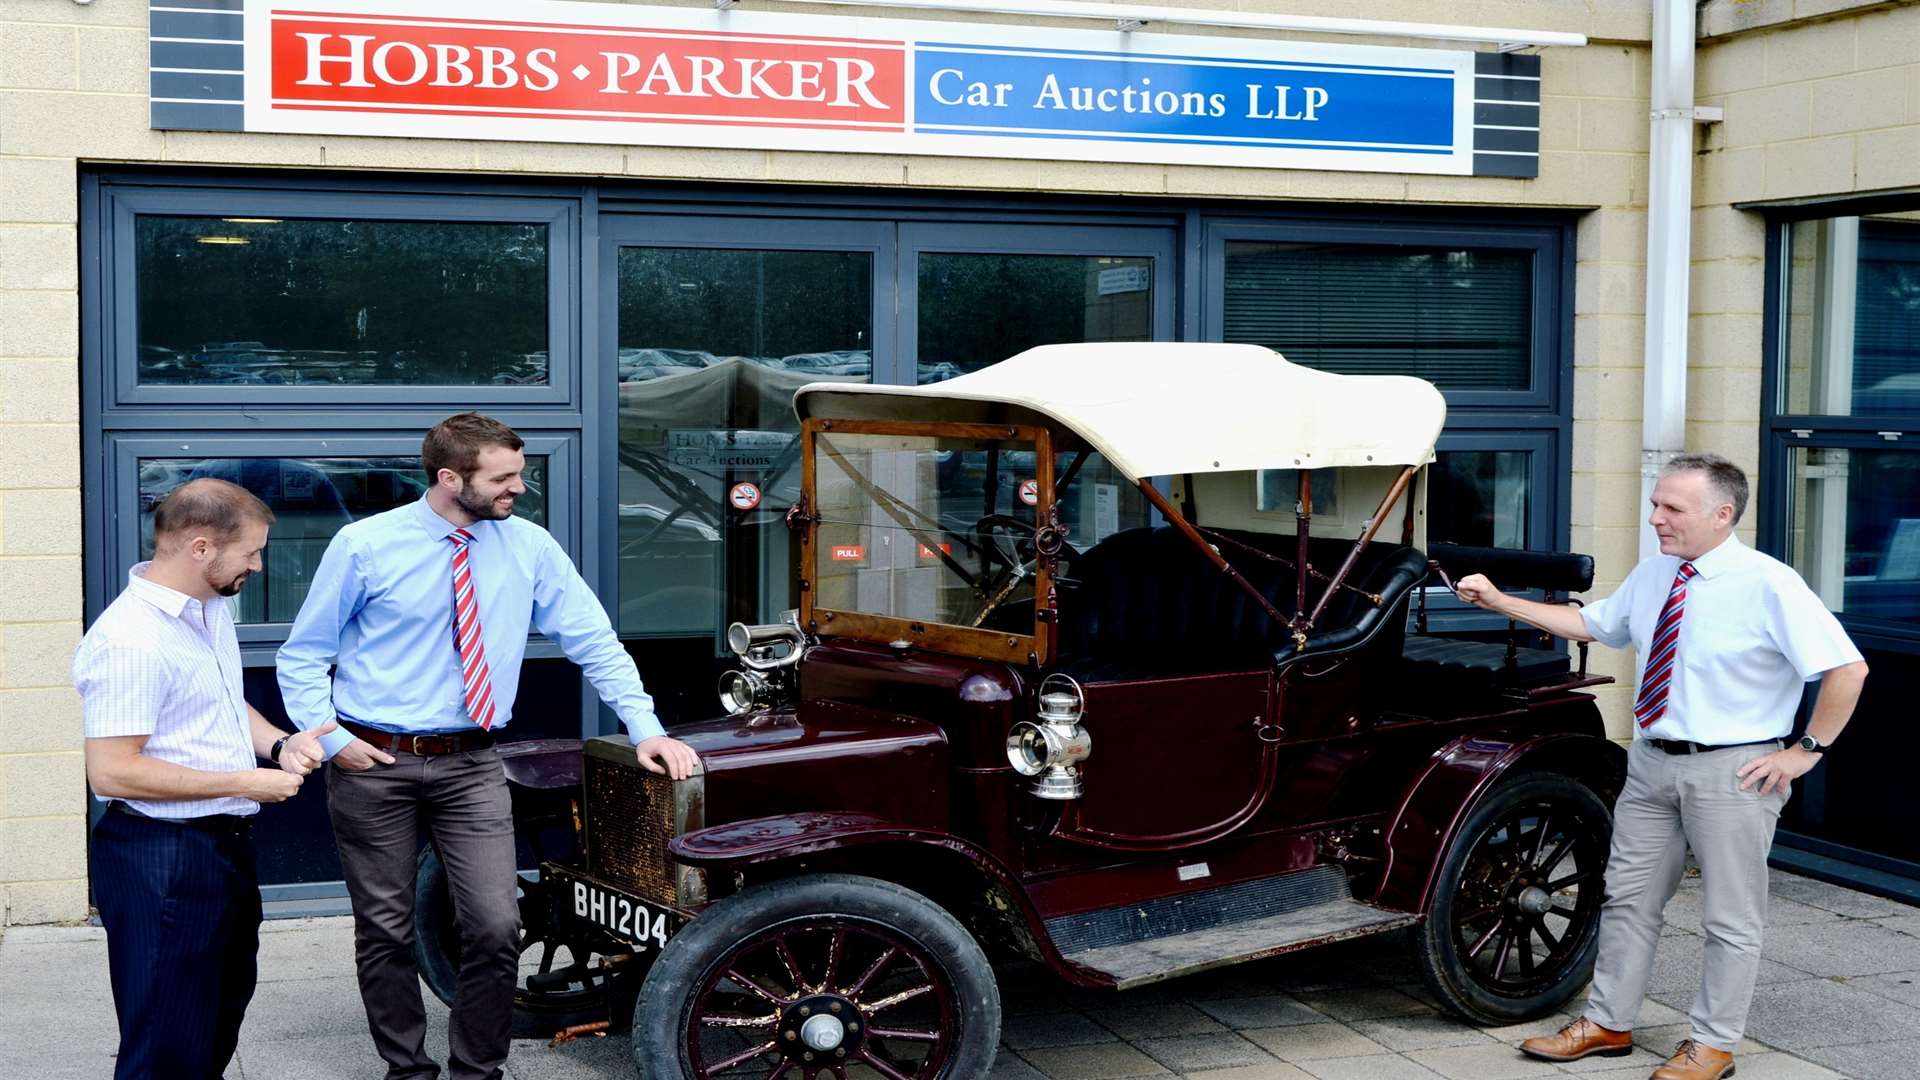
[[1183, 935]]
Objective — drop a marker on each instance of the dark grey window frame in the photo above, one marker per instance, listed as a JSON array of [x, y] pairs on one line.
[[559, 217]]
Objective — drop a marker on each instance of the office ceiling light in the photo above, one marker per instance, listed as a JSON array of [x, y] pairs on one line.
[[227, 241], [1127, 17]]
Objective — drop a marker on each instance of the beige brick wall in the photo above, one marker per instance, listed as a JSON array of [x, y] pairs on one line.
[[1820, 98]]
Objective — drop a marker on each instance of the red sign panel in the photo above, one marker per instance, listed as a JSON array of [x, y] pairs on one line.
[[485, 67], [849, 553], [927, 552]]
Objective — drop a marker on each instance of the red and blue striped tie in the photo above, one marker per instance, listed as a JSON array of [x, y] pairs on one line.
[[475, 677], [1657, 677]]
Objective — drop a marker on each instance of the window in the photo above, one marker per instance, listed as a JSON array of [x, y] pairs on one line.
[[311, 498], [251, 301], [1460, 318], [1851, 345], [1035, 300]]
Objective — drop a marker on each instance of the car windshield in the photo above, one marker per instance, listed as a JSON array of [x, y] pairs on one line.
[[927, 528]]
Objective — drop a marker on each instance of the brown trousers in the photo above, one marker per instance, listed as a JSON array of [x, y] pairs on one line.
[[381, 816]]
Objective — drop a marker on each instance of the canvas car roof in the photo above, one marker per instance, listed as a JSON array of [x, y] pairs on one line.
[[1166, 408]]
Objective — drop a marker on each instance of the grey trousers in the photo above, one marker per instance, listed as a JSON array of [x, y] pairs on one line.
[[1673, 802], [380, 818]]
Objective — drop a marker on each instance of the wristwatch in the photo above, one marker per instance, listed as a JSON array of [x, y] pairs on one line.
[[274, 754], [1811, 745]]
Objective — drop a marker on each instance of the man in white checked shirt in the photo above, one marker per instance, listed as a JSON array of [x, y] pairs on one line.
[[1726, 637], [422, 614], [173, 749]]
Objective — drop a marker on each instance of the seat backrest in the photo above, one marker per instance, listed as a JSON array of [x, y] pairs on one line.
[[1150, 591]]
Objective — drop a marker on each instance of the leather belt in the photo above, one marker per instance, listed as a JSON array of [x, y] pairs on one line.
[[447, 742], [221, 824], [1682, 746]]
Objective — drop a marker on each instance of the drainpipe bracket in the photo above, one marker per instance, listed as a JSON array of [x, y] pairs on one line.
[[1699, 114]]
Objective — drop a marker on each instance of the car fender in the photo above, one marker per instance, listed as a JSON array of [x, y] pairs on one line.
[[872, 845], [1457, 776], [542, 764]]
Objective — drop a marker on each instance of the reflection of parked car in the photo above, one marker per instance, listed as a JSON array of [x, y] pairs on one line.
[[1203, 743], [938, 372], [843, 362], [638, 365]]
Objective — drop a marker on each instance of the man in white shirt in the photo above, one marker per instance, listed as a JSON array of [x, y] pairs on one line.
[[172, 748], [1726, 637]]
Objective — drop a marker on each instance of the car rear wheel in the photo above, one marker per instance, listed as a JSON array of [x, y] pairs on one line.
[[1516, 912], [827, 975]]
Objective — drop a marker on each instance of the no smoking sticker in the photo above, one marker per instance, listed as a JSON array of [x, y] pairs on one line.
[[1030, 492], [744, 495]]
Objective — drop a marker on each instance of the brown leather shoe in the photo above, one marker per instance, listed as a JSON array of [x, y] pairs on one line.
[[1579, 1039], [1695, 1061]]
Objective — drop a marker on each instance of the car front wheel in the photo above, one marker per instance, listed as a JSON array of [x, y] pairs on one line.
[[827, 975], [1516, 912]]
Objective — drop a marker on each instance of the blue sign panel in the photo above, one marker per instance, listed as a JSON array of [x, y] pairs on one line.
[[1154, 98]]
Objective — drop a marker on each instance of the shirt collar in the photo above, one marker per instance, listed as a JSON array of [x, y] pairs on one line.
[[170, 601], [437, 527], [1721, 559]]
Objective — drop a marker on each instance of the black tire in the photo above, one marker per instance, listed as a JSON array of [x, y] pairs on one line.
[[537, 1013], [695, 1010], [1535, 840]]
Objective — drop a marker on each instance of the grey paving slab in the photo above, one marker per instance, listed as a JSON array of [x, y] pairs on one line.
[[1784, 1067], [1313, 1042], [1387, 1067], [1269, 1070], [1093, 1062], [1364, 1004], [1156, 1021], [305, 949], [1905, 924], [1662, 1041], [1489, 1062], [1011, 1066], [321, 1057], [1842, 947], [1641, 1059], [1902, 986], [1191, 1053], [1835, 898], [305, 1008], [1819, 1012], [1051, 1029], [581, 1059], [1263, 1010], [1419, 1032], [1898, 1060]]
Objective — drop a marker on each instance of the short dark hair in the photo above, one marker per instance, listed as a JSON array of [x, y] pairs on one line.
[[1728, 481], [215, 508], [455, 443]]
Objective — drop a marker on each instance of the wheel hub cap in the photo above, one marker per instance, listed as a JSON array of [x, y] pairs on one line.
[[1534, 900], [822, 1032]]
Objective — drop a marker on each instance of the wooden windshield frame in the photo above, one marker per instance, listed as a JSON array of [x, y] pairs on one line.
[[1035, 648]]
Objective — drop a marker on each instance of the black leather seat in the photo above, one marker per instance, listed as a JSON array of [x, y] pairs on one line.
[[1149, 604], [1458, 665]]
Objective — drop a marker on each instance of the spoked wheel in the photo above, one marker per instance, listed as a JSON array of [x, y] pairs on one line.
[[563, 980], [1516, 911], [822, 976]]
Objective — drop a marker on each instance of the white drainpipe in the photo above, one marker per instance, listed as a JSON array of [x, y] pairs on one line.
[[1669, 235]]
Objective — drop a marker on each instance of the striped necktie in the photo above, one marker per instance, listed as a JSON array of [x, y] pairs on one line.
[[475, 677], [1657, 678]]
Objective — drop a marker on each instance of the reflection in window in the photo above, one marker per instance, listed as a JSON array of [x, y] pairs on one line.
[[1852, 332], [712, 344], [1277, 491], [978, 309], [1459, 318], [1853, 528], [249, 301], [1479, 497], [311, 498]]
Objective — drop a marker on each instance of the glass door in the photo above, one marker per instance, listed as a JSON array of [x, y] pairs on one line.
[[712, 325], [977, 294]]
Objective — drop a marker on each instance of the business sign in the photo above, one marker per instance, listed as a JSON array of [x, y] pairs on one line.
[[633, 75]]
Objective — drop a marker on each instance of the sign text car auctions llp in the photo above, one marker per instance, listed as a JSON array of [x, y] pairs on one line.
[[634, 75]]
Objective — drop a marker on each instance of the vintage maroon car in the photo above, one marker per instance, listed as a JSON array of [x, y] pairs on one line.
[[998, 725]]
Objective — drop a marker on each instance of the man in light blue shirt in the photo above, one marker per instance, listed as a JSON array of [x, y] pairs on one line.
[[423, 613]]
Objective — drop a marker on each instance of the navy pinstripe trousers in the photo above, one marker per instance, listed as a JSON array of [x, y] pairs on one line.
[[181, 904]]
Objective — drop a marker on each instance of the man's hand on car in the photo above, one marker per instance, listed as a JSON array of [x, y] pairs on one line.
[[1475, 589], [661, 754]]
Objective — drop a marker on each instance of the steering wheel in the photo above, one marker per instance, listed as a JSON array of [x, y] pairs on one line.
[[1017, 551]]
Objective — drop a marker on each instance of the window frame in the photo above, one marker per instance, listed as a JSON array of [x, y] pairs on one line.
[[118, 290], [1782, 432]]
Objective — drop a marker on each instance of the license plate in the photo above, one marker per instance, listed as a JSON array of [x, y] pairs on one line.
[[636, 922]]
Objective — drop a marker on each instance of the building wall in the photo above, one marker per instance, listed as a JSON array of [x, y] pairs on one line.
[[73, 89]]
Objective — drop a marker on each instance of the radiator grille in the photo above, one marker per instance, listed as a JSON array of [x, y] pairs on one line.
[[631, 814]]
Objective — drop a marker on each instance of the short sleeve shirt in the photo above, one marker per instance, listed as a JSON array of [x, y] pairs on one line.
[[1751, 635]]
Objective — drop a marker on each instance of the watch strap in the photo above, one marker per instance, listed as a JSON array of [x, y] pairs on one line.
[[274, 754]]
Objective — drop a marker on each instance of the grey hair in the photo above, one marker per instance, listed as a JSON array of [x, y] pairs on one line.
[[1728, 481]]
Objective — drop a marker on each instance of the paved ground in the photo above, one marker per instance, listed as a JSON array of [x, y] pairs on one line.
[[1839, 996]]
